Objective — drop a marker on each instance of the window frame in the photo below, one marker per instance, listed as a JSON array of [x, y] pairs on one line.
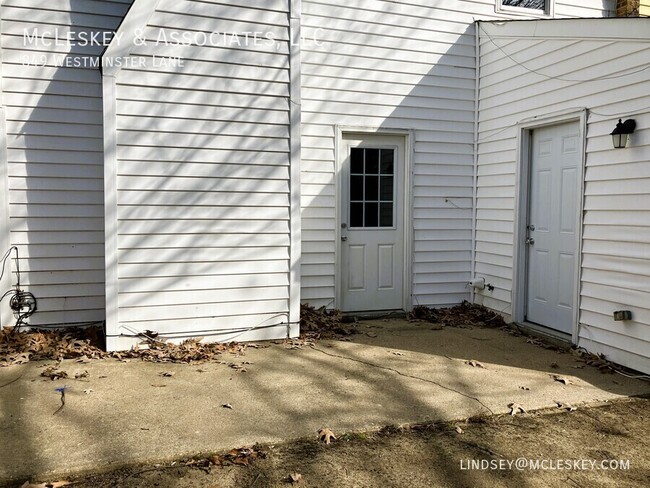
[[526, 12]]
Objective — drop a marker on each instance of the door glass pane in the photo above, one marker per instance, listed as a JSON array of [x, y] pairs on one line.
[[386, 214], [372, 188], [387, 161], [372, 161], [386, 189], [372, 214], [356, 160], [356, 187], [356, 214]]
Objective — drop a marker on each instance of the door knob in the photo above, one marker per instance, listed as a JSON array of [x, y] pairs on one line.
[[530, 240], [344, 238]]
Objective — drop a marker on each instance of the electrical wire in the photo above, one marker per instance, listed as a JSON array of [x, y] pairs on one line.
[[644, 377], [180, 334], [620, 114], [60, 325], [561, 78], [23, 303], [4, 263], [20, 301]]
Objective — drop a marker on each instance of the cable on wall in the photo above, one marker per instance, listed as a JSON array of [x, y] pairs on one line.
[[561, 78], [23, 303]]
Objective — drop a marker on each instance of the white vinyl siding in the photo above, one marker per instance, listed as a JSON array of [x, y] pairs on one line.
[[616, 220], [203, 178], [55, 156], [397, 65]]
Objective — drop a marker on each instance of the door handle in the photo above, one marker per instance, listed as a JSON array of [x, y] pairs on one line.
[[530, 240], [344, 238]]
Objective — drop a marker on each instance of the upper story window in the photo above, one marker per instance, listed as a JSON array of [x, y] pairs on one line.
[[543, 8]]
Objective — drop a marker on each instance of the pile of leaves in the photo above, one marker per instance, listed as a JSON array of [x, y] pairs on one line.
[[323, 324], [189, 351], [244, 456], [20, 347], [596, 360], [464, 314]]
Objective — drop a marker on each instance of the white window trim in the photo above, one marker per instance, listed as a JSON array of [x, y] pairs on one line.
[[527, 12]]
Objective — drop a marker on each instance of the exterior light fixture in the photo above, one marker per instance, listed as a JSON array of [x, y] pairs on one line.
[[621, 133]]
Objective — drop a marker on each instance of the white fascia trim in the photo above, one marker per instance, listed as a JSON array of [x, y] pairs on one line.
[[131, 28], [295, 227]]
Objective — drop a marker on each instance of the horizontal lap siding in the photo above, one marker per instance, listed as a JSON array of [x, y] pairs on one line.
[[203, 176], [395, 65], [55, 156], [616, 229]]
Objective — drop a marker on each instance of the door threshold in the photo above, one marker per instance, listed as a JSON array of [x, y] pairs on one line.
[[376, 314], [556, 337]]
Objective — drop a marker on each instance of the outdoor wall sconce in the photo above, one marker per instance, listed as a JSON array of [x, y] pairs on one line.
[[621, 132]]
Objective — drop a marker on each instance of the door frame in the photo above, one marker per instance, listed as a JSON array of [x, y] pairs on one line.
[[409, 149], [525, 129]]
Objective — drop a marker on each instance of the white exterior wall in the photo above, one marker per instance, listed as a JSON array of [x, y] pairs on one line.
[[199, 223], [53, 167], [398, 65], [616, 220]]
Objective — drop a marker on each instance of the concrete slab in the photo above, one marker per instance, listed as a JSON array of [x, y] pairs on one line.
[[394, 372]]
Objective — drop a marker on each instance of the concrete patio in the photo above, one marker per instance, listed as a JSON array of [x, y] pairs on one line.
[[393, 372]]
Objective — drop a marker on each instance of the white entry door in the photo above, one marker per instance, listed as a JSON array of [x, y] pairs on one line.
[[552, 226], [372, 223]]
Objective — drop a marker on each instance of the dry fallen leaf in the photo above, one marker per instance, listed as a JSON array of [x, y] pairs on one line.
[[515, 408], [398, 353], [88, 391], [243, 457], [295, 478], [226, 405], [167, 374], [459, 430], [371, 334], [54, 373], [18, 359], [78, 376], [326, 435], [475, 364], [561, 379], [567, 406]]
